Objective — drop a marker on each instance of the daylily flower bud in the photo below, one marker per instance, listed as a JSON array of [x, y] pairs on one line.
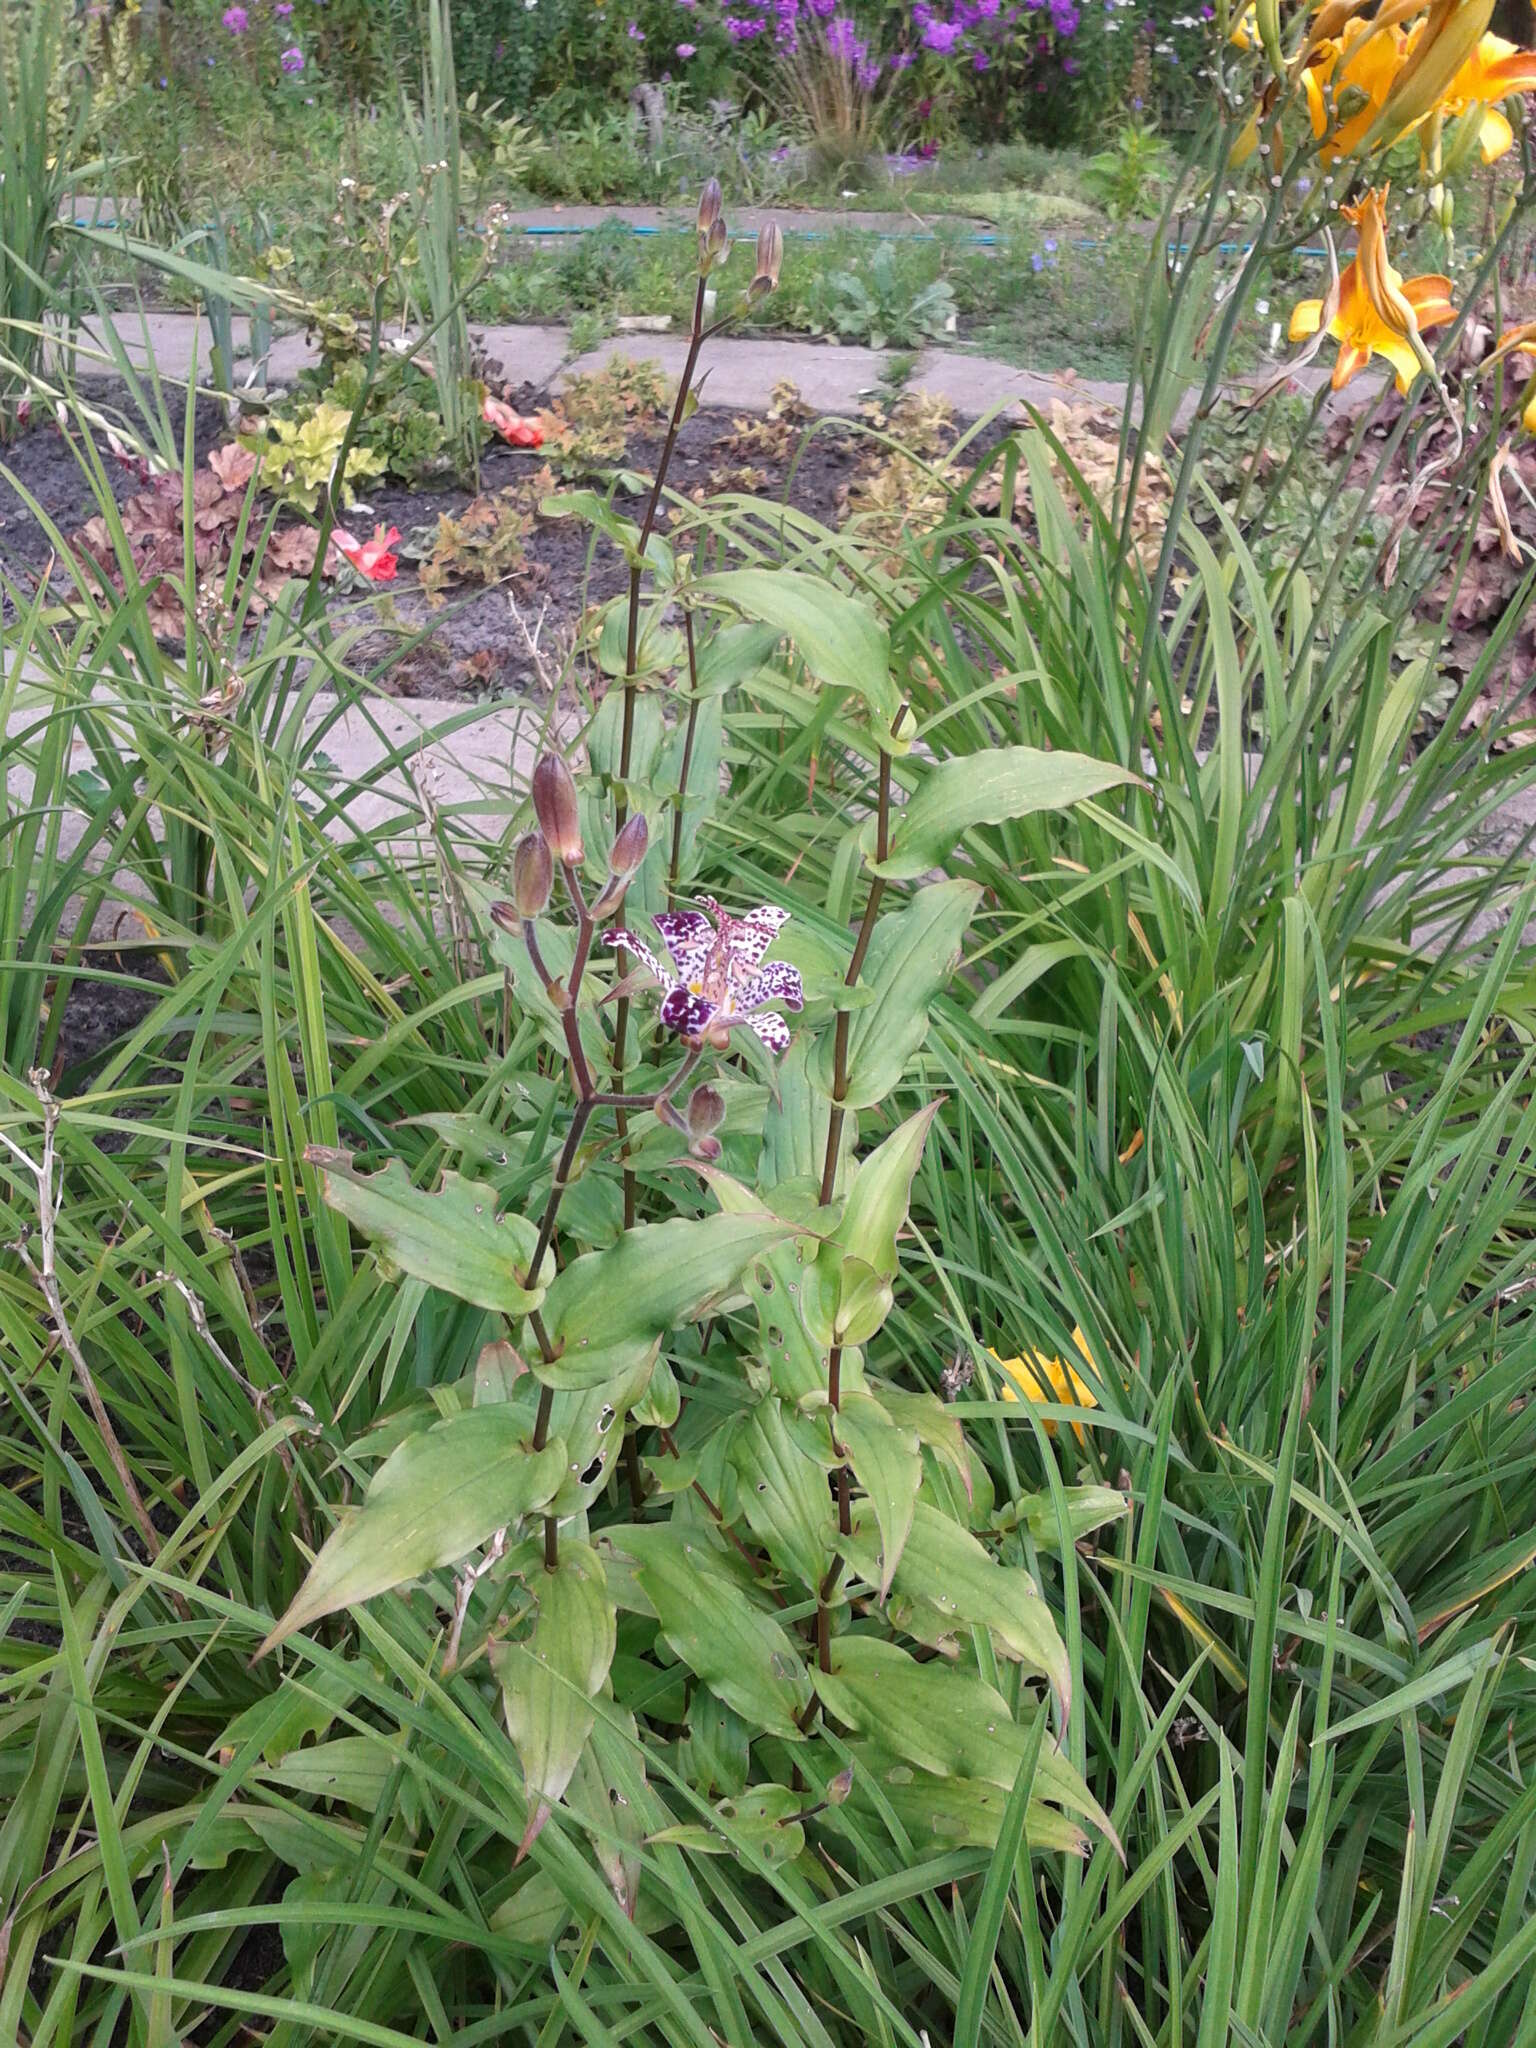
[[707, 1149], [629, 847], [706, 1111], [711, 201], [533, 874], [712, 246], [839, 1787], [770, 254], [556, 808]]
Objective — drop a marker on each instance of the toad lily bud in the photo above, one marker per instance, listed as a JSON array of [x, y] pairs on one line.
[[629, 847], [628, 852], [556, 808], [533, 874], [711, 226], [706, 1111], [770, 254]]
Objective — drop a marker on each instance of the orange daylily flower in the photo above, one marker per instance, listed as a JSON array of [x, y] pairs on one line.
[[1352, 75], [1495, 71], [1380, 313], [1041, 1380]]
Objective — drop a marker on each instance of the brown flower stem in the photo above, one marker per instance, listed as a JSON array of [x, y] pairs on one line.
[[627, 736]]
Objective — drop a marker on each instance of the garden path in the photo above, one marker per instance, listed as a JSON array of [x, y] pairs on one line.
[[741, 372]]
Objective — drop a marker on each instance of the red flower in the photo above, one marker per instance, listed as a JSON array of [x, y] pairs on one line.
[[512, 426], [370, 558]]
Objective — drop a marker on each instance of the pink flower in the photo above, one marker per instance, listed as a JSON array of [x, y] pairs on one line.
[[370, 558], [236, 20], [719, 982], [292, 60], [687, 49], [512, 426], [635, 32]]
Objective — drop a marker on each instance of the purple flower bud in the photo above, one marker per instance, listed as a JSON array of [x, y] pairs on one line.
[[556, 808], [629, 847], [770, 255], [706, 1111], [533, 874]]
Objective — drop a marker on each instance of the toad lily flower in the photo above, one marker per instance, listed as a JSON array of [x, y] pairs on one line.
[[370, 558], [1046, 1381], [1379, 312], [719, 981]]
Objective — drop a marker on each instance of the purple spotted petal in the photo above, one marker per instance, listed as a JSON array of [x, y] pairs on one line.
[[641, 951], [752, 935], [778, 982], [689, 936], [770, 1028], [685, 1013]]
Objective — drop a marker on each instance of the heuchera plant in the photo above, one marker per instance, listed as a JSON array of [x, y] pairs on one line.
[[691, 1506]]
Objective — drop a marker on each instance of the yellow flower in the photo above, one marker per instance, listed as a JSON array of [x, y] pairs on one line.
[[1347, 82], [1493, 72], [1379, 312], [1043, 1380], [1519, 340]]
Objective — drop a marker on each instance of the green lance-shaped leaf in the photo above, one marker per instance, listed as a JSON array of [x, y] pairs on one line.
[[911, 956], [731, 654], [432, 1501], [985, 789], [937, 1427], [1088, 1508], [607, 1794], [943, 1720], [449, 1237], [860, 1262], [961, 1813], [945, 1582], [888, 1465], [733, 1647], [548, 1681], [838, 637], [784, 1495], [608, 1310]]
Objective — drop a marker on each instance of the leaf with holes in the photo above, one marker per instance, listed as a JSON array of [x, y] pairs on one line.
[[784, 1495]]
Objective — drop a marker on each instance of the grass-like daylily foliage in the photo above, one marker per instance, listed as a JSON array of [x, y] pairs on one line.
[[682, 1625]]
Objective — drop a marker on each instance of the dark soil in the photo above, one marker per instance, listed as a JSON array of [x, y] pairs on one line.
[[476, 645]]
